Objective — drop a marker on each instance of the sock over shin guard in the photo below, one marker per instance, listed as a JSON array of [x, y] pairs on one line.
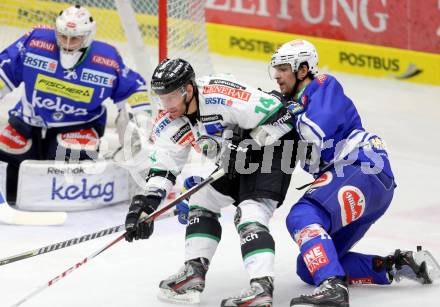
[[257, 249], [203, 233]]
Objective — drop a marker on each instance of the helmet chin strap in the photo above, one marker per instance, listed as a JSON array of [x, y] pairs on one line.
[[188, 102], [297, 82]]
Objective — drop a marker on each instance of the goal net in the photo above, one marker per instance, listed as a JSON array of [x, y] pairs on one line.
[[130, 25]]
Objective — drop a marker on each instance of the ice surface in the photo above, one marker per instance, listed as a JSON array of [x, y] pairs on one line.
[[404, 114]]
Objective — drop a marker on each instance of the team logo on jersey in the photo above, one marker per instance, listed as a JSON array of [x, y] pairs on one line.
[[104, 61], [97, 78], [40, 62], [321, 79], [323, 180], [315, 258], [352, 203], [227, 91], [13, 142], [41, 44], [57, 106], [70, 74], [227, 83], [65, 89]]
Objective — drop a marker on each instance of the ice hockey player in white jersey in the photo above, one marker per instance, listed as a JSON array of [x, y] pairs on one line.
[[354, 186], [210, 114], [67, 75]]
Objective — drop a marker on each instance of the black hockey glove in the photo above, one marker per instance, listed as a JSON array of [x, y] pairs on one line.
[[140, 203]]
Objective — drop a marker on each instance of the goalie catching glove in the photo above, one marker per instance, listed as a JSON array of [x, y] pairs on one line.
[[141, 204]]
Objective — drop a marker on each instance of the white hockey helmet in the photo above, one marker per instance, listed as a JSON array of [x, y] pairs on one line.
[[295, 53], [75, 30]]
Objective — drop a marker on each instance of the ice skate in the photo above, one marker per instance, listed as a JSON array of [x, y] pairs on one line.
[[332, 292], [419, 266], [259, 294], [186, 286]]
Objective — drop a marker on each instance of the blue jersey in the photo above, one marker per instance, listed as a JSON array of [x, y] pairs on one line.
[[332, 124], [56, 97]]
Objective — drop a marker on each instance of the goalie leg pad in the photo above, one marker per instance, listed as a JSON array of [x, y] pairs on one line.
[[16, 145], [55, 185], [81, 144], [203, 234], [12, 142]]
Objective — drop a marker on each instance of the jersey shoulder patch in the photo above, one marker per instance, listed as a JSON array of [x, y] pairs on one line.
[[165, 125], [320, 79]]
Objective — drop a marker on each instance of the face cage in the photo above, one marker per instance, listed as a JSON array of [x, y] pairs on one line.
[[66, 47]]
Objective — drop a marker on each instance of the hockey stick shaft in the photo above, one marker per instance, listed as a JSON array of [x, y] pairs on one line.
[[60, 245], [216, 175]]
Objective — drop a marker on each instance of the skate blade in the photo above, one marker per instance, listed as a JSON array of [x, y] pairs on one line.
[[188, 298], [432, 266]]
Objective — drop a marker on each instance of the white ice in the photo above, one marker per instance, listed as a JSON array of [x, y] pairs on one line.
[[404, 114]]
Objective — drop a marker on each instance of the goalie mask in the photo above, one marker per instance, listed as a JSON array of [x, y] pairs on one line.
[[75, 31]]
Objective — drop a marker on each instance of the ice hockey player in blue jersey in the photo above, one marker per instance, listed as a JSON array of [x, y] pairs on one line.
[[353, 188], [67, 75]]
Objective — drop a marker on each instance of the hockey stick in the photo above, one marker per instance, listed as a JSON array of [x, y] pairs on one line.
[[70, 242], [216, 175], [12, 216]]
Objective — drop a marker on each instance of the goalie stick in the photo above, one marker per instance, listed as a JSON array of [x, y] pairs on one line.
[[11, 216], [216, 175], [67, 243]]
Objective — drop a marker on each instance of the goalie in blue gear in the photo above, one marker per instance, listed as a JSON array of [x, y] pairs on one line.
[[67, 75]]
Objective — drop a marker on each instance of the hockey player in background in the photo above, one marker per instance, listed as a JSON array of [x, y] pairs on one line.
[[67, 75], [203, 113], [353, 188]]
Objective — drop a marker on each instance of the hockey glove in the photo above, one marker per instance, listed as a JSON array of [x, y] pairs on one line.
[[182, 207], [295, 108], [140, 204]]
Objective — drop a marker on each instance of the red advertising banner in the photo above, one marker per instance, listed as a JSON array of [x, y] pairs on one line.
[[405, 24]]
